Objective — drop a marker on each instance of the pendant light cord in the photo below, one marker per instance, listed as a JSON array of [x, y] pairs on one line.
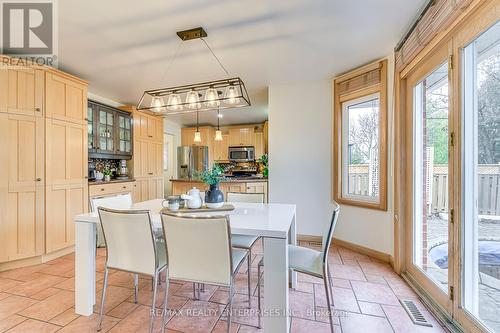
[[172, 59], [216, 58]]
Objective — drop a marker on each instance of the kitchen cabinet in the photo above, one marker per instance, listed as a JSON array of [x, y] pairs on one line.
[[265, 132], [221, 148], [109, 131], [257, 187], [103, 189], [66, 181], [241, 136], [21, 91], [43, 157], [65, 98], [147, 188], [258, 144], [147, 161], [21, 186], [182, 186]]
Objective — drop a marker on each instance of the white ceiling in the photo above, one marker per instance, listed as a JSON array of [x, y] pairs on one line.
[[124, 47]]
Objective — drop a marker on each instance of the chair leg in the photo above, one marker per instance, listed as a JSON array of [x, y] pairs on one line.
[[230, 306], [136, 287], [194, 291], [326, 282], [153, 305], [331, 286], [258, 295], [165, 303], [103, 298], [249, 260]]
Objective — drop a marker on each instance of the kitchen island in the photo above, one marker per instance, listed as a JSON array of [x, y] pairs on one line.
[[231, 184]]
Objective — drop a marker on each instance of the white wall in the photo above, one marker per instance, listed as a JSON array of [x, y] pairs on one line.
[[300, 165], [175, 129]]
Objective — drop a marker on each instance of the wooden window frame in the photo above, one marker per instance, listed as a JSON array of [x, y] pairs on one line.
[[377, 88]]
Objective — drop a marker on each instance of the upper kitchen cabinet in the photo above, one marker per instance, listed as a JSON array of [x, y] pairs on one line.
[[241, 136], [65, 98], [258, 144], [145, 126], [221, 148], [207, 134], [109, 132], [21, 91]]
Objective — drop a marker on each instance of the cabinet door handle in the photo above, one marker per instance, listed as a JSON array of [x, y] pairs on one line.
[[102, 189], [39, 179], [37, 109], [150, 173], [86, 177], [124, 187]]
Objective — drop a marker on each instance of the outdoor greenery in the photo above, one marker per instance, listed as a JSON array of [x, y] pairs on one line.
[[489, 110]]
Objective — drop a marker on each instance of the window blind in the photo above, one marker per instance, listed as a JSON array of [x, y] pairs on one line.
[[438, 17]]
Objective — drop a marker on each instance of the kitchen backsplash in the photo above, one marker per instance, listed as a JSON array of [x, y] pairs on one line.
[[101, 164]]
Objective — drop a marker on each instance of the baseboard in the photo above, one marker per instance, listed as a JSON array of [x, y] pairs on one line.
[[384, 257], [58, 253], [5, 266]]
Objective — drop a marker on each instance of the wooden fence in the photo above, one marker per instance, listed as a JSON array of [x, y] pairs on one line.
[[489, 187], [488, 191]]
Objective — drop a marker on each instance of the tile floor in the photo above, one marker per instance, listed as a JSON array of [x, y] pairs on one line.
[[366, 293]]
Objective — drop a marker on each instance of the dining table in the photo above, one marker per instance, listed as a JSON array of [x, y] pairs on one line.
[[274, 222]]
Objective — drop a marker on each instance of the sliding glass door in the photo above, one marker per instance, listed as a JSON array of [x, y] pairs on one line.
[[481, 177], [428, 99]]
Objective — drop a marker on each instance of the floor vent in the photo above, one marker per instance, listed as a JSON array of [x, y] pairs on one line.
[[415, 314], [314, 243]]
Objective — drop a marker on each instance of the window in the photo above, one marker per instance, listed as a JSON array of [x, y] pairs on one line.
[[360, 165]]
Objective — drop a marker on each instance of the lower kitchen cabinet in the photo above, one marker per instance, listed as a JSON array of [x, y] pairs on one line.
[[104, 189], [148, 188], [63, 203], [181, 187]]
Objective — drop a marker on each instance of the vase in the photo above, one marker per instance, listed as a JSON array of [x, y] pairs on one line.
[[214, 198]]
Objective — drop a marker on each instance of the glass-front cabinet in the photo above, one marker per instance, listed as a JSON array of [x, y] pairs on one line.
[[109, 131]]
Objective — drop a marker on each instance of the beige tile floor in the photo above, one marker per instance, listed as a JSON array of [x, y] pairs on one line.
[[366, 292]]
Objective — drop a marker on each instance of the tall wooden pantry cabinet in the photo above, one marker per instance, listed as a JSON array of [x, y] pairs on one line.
[[43, 159]]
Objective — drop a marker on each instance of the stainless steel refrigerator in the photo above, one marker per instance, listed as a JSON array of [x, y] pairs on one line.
[[191, 160]]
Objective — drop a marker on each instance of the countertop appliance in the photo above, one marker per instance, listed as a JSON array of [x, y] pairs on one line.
[[242, 154], [191, 160]]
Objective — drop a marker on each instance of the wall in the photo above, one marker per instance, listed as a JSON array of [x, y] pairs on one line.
[[300, 159]]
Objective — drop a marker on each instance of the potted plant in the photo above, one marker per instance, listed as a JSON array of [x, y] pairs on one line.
[[107, 174], [214, 198], [264, 161]]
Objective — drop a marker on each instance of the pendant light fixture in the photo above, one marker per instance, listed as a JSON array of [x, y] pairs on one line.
[[197, 134], [224, 94], [218, 132]]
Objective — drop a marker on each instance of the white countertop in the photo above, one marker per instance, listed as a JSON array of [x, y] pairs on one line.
[[268, 220]]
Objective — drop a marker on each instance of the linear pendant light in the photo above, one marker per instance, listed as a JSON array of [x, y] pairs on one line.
[[226, 93]]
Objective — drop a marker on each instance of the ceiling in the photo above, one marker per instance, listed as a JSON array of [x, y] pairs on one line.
[[123, 47]]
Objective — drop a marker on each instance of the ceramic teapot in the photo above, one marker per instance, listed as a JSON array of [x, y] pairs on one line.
[[193, 198]]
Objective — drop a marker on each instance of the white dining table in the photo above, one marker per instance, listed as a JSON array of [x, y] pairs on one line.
[[274, 222]]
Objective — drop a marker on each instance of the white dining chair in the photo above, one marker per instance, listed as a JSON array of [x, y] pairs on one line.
[[116, 201], [311, 262], [131, 247], [199, 251], [245, 242]]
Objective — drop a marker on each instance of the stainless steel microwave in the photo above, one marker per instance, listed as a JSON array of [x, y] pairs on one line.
[[242, 154]]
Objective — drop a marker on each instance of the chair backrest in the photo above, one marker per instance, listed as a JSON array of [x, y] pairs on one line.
[[117, 201], [245, 197], [198, 248], [129, 239], [328, 234]]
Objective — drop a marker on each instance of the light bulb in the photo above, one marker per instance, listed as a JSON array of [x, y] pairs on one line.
[[157, 103], [174, 102], [197, 136], [218, 135], [211, 98], [193, 100], [231, 95]]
